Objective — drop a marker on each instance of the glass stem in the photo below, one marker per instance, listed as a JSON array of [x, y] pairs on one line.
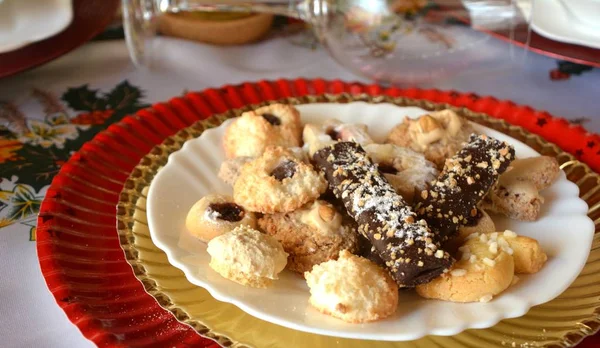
[[299, 9]]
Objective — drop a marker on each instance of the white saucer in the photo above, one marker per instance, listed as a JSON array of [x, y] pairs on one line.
[[25, 22], [550, 19]]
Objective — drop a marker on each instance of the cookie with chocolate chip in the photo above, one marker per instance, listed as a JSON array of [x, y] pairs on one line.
[[215, 215], [254, 131], [277, 182]]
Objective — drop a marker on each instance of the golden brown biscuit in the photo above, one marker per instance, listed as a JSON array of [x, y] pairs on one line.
[[483, 271], [215, 215], [405, 169], [352, 289], [254, 131], [247, 257], [277, 182], [517, 193], [527, 252], [310, 235], [438, 135]]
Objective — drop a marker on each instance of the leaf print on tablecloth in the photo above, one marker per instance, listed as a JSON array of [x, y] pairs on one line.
[[124, 95], [83, 99], [19, 203], [32, 151]]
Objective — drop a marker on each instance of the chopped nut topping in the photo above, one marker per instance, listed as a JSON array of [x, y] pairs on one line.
[[458, 272], [489, 261]]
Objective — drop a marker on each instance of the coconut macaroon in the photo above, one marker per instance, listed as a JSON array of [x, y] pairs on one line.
[[277, 182], [254, 131], [247, 257], [352, 289], [216, 214]]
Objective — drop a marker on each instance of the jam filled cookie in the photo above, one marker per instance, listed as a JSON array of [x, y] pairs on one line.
[[438, 135], [517, 193], [352, 289], [215, 215], [485, 269], [247, 257], [310, 235], [318, 136], [272, 125], [277, 182], [405, 169]]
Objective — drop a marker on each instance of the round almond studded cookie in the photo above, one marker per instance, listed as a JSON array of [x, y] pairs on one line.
[[310, 235], [272, 125], [215, 215], [405, 169], [352, 289], [480, 223], [247, 257], [277, 182], [484, 270], [438, 135]]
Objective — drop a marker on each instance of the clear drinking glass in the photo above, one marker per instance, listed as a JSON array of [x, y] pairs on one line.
[[389, 41]]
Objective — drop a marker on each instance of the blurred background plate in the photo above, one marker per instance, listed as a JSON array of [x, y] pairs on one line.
[[25, 22], [90, 17]]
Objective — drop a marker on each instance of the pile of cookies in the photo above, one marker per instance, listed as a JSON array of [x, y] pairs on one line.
[[359, 220]]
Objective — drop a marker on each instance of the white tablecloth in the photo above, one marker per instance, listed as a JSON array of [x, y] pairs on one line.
[[31, 317]]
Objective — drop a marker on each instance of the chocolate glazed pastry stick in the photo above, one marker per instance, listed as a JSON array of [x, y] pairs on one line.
[[383, 217], [467, 177]]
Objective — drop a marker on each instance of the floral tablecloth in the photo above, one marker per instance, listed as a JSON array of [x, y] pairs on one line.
[[50, 112]]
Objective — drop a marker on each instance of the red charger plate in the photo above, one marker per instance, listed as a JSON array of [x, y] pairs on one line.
[[77, 242], [90, 17]]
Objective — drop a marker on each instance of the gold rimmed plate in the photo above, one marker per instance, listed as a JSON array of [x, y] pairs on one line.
[[548, 324]]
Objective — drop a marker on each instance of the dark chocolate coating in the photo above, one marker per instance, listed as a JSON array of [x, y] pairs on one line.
[[452, 199], [404, 244]]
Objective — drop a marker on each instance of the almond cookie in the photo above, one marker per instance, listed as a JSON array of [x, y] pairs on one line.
[[310, 235], [480, 223], [277, 182], [317, 136], [405, 169], [215, 215], [352, 289], [484, 270], [527, 252], [272, 125], [247, 257], [438, 135], [517, 193]]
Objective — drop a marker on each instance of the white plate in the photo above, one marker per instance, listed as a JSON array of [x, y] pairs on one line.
[[26, 21], [564, 231], [551, 19]]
